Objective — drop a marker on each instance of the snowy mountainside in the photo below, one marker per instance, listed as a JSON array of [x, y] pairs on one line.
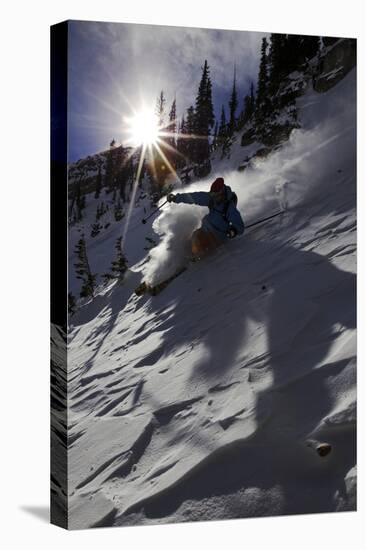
[[197, 403]]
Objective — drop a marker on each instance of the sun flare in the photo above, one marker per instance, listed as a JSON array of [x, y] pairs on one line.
[[143, 128]]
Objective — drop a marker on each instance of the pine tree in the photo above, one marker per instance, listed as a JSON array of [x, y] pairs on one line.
[[215, 137], [158, 167], [118, 211], [190, 142], [98, 183], [80, 201], [278, 60], [233, 105], [83, 271], [71, 304], [160, 109], [170, 140], [204, 117], [110, 171], [262, 89], [181, 141], [223, 126], [119, 169], [172, 128], [119, 265], [307, 48], [126, 176], [95, 229], [252, 98], [249, 107], [101, 210], [310, 46]]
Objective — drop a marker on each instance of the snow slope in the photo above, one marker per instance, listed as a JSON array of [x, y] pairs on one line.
[[196, 404]]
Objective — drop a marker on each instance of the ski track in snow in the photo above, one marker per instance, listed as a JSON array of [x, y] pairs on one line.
[[196, 404]]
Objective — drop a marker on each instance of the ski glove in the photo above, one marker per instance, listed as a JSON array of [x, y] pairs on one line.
[[171, 197], [232, 233]]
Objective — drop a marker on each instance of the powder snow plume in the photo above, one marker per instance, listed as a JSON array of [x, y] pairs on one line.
[[286, 179]]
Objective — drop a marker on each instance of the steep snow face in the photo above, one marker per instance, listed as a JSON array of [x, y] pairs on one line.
[[307, 167], [198, 403]]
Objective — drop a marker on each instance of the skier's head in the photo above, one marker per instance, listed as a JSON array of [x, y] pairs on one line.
[[217, 190]]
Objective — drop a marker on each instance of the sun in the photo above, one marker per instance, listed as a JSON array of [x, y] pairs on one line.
[[143, 128]]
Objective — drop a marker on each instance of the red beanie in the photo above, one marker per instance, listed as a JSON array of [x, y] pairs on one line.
[[218, 185]]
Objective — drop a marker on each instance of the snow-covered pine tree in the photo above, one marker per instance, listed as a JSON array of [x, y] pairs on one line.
[[83, 271], [119, 264], [275, 94]]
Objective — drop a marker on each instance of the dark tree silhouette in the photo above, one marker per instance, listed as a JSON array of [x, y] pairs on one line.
[[83, 271], [98, 183], [262, 107], [233, 105], [204, 117], [119, 264], [160, 109], [223, 127]]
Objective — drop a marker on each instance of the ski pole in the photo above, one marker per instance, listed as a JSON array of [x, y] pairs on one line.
[[264, 219], [144, 220]]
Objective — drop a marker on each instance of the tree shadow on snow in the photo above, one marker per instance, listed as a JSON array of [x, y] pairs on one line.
[[304, 301]]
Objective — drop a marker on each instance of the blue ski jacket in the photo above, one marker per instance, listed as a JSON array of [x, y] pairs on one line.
[[222, 215]]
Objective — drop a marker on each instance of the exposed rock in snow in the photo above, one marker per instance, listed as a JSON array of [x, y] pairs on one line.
[[337, 60]]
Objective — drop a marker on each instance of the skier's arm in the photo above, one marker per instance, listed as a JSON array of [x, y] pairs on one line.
[[201, 198], [235, 219]]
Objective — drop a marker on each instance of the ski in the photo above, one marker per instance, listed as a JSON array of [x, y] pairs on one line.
[[154, 290]]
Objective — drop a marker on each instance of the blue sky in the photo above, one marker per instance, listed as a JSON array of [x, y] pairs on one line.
[[114, 68]]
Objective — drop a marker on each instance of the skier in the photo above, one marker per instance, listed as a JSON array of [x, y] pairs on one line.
[[221, 223]]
